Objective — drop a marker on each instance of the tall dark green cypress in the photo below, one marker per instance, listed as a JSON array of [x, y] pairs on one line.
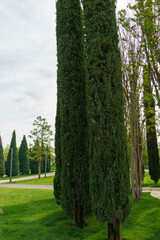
[[109, 168], [2, 161], [57, 178], [15, 163], [23, 157], [71, 79], [152, 146]]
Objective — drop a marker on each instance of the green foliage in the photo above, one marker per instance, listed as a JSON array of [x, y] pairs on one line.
[[6, 151], [48, 163], [15, 163], [42, 137], [71, 130], [2, 161], [23, 157], [109, 170], [152, 146], [33, 158]]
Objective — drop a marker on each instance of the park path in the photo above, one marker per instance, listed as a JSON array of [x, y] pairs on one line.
[[26, 178], [44, 187]]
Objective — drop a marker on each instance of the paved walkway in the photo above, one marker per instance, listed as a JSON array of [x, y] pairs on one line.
[[155, 192], [46, 187], [27, 178]]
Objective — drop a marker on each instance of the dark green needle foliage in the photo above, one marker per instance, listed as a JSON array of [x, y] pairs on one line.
[[15, 163], [2, 161], [72, 129], [152, 146], [23, 157], [57, 178], [109, 170]]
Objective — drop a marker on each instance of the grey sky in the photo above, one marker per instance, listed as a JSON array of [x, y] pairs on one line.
[[27, 65]]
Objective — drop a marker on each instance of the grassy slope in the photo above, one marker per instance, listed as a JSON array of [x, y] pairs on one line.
[[148, 182], [34, 214], [41, 181]]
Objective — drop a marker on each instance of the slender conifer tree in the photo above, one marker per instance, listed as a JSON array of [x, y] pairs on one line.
[[152, 146], [23, 157], [15, 162], [109, 169], [72, 128], [2, 161]]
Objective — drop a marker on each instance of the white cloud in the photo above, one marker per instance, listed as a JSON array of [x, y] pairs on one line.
[[27, 65]]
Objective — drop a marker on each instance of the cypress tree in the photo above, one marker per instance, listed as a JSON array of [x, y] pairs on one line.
[[15, 163], [152, 146], [74, 185], [2, 161], [23, 157], [58, 161], [109, 168]]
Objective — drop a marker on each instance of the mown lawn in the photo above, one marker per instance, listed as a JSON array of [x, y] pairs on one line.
[[37, 181], [34, 215], [148, 182]]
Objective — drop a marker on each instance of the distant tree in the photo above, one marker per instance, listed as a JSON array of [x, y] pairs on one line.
[[32, 162], [6, 151], [15, 163], [42, 136], [48, 163], [23, 157], [2, 161]]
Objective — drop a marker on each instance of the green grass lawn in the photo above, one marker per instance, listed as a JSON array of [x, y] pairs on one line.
[[34, 215], [148, 182], [37, 181]]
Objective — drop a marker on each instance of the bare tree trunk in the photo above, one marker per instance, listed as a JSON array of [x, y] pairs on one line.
[[79, 218], [114, 231], [39, 169]]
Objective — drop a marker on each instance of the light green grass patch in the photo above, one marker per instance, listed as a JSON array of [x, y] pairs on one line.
[[34, 215], [148, 182], [37, 181]]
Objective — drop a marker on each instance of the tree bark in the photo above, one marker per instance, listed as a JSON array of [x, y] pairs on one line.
[[39, 169], [79, 218], [114, 231]]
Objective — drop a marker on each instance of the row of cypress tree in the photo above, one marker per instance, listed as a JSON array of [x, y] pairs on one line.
[[20, 162], [23, 161], [92, 170]]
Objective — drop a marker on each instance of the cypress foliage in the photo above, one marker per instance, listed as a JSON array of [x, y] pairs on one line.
[[57, 178], [74, 185], [152, 146], [23, 157], [109, 168], [15, 163], [2, 161]]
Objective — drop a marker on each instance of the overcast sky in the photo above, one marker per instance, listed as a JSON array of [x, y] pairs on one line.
[[27, 65]]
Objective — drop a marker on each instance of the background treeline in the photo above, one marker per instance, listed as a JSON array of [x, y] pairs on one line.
[[24, 159]]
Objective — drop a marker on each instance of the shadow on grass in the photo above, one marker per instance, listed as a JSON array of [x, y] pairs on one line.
[[43, 219]]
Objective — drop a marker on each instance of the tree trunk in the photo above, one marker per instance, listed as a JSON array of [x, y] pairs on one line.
[[79, 218], [114, 231], [39, 169]]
